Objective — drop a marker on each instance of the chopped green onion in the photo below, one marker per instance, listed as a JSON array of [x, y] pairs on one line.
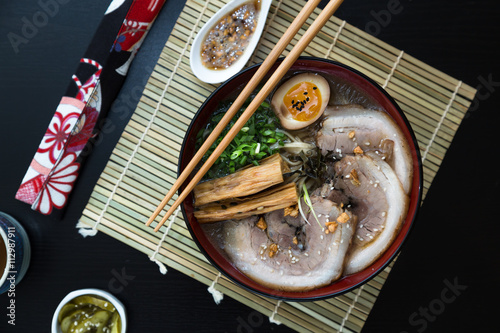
[[251, 144]]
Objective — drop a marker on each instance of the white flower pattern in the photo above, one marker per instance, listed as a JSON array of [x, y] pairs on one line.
[[59, 184]]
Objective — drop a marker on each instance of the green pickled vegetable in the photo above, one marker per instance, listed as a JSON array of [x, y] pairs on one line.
[[99, 302], [66, 310], [94, 323], [71, 321], [89, 313], [116, 323]]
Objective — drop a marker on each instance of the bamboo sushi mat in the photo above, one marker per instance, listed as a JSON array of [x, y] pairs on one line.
[[143, 164]]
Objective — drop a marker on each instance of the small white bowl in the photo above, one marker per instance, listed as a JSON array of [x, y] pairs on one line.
[[96, 292], [221, 75]]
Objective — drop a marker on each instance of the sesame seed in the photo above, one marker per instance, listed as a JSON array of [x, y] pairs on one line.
[[319, 252]]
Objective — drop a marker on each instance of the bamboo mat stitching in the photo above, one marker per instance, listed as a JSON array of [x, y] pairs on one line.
[[393, 69], [443, 117], [163, 268], [330, 50], [275, 312], [353, 304], [215, 293]]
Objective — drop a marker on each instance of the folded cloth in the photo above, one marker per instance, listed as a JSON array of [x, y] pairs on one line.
[[93, 88]]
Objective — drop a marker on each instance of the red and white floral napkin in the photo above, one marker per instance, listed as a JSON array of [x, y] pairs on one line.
[[93, 88]]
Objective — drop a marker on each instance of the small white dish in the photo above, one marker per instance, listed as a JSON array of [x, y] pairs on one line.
[[221, 75], [96, 292]]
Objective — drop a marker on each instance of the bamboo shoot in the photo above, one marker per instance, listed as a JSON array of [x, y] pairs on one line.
[[242, 183], [278, 197]]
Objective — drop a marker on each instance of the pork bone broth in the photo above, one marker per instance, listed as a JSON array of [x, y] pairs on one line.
[[333, 162]]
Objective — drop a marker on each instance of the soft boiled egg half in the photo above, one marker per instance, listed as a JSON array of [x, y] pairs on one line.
[[301, 100]]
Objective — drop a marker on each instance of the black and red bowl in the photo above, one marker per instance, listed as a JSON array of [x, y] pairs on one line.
[[370, 88]]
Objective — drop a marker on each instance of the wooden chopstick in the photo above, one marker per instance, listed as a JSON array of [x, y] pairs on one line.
[[238, 103], [320, 21]]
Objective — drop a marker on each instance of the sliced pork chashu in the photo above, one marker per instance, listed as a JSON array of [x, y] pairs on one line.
[[379, 202], [291, 254], [347, 127]]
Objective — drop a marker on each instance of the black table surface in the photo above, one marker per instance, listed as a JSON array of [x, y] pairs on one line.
[[446, 278]]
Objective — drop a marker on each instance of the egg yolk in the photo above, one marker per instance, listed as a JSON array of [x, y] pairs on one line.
[[303, 101]]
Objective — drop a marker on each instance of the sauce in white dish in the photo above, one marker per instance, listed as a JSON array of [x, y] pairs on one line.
[[209, 75], [228, 39]]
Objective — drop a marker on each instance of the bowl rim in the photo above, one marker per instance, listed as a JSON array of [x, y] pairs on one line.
[[410, 219], [90, 291]]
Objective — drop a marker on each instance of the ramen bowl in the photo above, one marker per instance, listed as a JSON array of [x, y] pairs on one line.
[[367, 87]]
